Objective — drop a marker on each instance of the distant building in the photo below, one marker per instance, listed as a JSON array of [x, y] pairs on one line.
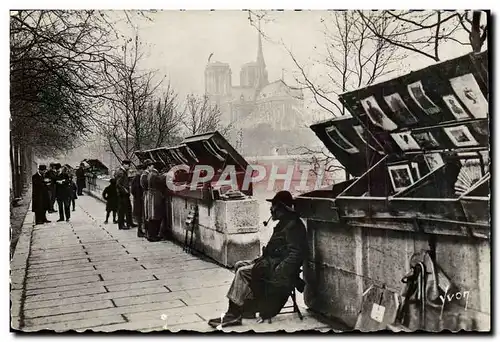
[[258, 105]]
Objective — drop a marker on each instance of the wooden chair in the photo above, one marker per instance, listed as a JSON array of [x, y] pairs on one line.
[[299, 286]]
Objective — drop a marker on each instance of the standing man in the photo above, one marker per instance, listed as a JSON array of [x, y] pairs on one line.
[[154, 208], [123, 191], [51, 185], [143, 181], [166, 224], [264, 285], [40, 197], [63, 192], [137, 192], [80, 179]]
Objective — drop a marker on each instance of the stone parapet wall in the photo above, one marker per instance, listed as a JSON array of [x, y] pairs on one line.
[[345, 261], [227, 231]]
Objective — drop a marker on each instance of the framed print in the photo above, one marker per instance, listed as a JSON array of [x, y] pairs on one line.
[[455, 107], [401, 176], [460, 136], [418, 95], [376, 115], [398, 107], [470, 94], [426, 140], [405, 141], [362, 134], [433, 161], [338, 139]]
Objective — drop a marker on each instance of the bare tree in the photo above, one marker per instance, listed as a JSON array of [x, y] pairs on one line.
[[200, 116], [352, 58], [56, 79], [423, 32], [134, 110]]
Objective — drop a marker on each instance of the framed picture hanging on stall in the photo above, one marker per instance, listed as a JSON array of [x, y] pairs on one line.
[[400, 110], [426, 140], [455, 107], [338, 139], [418, 95], [400, 176], [405, 141], [470, 94], [434, 161], [460, 136], [377, 115], [363, 135]]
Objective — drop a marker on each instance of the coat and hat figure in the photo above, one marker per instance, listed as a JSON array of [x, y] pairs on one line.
[[154, 193], [265, 284]]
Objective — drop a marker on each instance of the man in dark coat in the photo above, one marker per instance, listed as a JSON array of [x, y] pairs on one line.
[[50, 176], [123, 191], [40, 197], [267, 282], [137, 192], [80, 179], [154, 201], [63, 192]]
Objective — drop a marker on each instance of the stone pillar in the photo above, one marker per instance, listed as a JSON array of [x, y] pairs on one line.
[[238, 222], [227, 231]]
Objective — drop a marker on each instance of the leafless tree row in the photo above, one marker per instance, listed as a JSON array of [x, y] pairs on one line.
[[73, 73]]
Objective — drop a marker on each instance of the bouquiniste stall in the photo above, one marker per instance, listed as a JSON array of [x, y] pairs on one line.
[[418, 148], [201, 171]]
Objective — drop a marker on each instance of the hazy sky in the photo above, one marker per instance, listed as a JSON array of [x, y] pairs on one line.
[[179, 43]]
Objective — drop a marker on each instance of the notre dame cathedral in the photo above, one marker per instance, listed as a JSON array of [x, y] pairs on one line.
[[268, 116]]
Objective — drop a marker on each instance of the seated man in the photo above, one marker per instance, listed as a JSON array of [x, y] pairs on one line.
[[265, 284]]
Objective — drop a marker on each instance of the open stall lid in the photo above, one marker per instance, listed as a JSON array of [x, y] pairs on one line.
[[439, 109], [202, 149], [350, 143], [212, 149]]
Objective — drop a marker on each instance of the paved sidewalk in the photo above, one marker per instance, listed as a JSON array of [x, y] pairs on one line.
[[84, 274]]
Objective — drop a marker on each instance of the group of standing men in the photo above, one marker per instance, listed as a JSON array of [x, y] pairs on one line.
[[150, 200], [50, 186]]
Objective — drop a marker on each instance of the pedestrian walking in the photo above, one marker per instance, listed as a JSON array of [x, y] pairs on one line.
[[40, 196], [111, 197], [63, 192]]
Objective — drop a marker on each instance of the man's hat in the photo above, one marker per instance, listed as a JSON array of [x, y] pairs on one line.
[[42, 167], [57, 166], [126, 162], [284, 197], [148, 162]]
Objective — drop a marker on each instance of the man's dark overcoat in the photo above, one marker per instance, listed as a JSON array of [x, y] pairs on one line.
[[40, 195], [275, 273]]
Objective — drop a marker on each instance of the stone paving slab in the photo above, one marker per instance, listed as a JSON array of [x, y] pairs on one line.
[[85, 274]]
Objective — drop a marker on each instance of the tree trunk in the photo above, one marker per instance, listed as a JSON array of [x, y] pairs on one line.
[[12, 168], [17, 176], [475, 32]]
